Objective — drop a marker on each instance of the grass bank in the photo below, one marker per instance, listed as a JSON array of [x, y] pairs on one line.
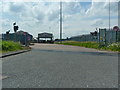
[[9, 46], [95, 45]]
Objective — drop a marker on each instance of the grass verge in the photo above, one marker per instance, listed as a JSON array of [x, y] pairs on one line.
[[9, 46], [95, 45]]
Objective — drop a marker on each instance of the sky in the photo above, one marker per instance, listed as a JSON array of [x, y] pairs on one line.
[[43, 16]]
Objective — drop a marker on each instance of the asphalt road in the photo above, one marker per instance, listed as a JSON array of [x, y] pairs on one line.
[[59, 66]]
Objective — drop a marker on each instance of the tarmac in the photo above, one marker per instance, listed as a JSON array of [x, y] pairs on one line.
[[60, 66]]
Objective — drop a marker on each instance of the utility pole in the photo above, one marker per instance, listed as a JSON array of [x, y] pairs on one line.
[[60, 20], [109, 14]]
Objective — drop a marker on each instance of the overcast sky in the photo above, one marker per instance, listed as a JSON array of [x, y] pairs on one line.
[[78, 17]]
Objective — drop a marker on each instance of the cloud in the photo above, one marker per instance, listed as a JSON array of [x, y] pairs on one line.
[[6, 24], [53, 15], [17, 7], [102, 9], [97, 23], [39, 17], [71, 7], [78, 18]]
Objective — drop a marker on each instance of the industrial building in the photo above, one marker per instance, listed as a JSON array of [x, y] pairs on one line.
[[20, 36], [45, 38]]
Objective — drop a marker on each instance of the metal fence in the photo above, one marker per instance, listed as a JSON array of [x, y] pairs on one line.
[[83, 38], [18, 37], [109, 36], [104, 35]]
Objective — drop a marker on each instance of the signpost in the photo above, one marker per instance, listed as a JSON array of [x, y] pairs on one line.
[[117, 30], [25, 38], [15, 29], [7, 33]]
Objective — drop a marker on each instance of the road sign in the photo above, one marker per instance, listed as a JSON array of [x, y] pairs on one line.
[[116, 28], [15, 28]]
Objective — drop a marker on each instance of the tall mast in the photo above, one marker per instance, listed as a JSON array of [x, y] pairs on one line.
[[109, 14], [60, 20]]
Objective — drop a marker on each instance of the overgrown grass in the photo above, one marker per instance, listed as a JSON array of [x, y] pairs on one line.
[[6, 46], [95, 45], [112, 47]]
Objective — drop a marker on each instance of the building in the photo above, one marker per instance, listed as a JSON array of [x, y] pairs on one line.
[[45, 36], [19, 36]]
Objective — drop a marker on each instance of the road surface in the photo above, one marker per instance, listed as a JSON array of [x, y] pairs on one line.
[[60, 66]]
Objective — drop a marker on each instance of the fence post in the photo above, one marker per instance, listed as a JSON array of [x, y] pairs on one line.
[[105, 38], [99, 37], [116, 37]]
